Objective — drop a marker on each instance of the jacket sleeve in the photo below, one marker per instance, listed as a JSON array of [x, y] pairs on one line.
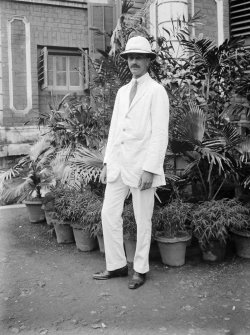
[[112, 128], [159, 132]]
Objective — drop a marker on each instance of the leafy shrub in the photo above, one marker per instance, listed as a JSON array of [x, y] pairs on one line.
[[172, 219], [213, 220]]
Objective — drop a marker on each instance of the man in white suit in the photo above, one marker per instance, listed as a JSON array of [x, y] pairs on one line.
[[134, 157]]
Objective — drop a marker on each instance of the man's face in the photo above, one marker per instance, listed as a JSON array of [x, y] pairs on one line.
[[138, 64]]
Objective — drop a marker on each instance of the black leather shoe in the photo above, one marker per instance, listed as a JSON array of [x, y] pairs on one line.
[[137, 280], [122, 272]]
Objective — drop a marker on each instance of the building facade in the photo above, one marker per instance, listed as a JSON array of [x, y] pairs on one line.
[[44, 43], [43, 48]]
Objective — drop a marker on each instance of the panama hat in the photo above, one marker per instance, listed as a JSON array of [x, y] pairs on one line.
[[138, 45]]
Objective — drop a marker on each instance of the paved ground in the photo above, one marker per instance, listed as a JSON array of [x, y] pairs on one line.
[[47, 288]]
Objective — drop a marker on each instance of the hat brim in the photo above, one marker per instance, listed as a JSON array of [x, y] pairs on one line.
[[125, 54]]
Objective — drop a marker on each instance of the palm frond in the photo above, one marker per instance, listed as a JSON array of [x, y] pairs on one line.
[[82, 166], [244, 149], [190, 125], [203, 52], [231, 135], [20, 192], [191, 166], [39, 148]]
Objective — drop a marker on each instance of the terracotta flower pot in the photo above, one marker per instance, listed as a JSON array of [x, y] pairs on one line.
[[84, 242], [173, 250], [242, 243], [49, 217], [35, 212], [64, 233]]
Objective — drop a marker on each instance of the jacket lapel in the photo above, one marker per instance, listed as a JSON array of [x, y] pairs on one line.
[[137, 97]]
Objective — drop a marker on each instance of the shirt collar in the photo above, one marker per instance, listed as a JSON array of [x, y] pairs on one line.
[[141, 79]]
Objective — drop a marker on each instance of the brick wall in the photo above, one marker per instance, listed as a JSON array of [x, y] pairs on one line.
[[49, 25], [209, 27], [208, 9]]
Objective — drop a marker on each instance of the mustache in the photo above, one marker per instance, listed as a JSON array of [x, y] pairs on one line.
[[135, 67]]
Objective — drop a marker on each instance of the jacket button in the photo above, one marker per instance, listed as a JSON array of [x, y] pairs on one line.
[[124, 129], [122, 142]]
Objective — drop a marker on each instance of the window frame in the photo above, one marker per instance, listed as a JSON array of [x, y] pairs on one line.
[[67, 87], [47, 51], [115, 5]]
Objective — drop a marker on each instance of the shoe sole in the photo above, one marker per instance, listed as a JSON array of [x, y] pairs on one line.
[[106, 278]]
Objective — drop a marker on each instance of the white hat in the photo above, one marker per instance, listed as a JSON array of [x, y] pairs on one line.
[[138, 45]]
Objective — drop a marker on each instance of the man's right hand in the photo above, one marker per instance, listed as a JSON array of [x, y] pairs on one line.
[[103, 175]]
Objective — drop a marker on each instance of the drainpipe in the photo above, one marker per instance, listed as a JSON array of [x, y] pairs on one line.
[[220, 21]]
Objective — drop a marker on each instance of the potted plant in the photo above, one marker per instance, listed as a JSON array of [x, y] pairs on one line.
[[85, 212], [241, 239], [62, 214], [212, 222], [35, 172], [172, 233], [241, 236], [48, 205]]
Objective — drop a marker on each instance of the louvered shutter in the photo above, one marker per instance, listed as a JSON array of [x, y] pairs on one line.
[[240, 20], [43, 68], [102, 17]]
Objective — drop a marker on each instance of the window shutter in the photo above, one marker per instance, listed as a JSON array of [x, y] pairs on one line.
[[240, 18], [103, 17], [43, 68], [240, 21]]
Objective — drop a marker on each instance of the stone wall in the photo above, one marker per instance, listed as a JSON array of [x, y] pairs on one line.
[[209, 26]]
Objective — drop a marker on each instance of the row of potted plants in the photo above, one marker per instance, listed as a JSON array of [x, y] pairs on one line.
[[176, 224], [74, 215]]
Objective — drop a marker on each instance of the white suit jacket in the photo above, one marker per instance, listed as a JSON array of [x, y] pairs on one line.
[[138, 134]]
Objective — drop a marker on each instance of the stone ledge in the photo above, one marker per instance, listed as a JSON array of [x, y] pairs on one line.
[[17, 140]]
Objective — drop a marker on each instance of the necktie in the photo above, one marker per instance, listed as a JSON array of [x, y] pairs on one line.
[[132, 92]]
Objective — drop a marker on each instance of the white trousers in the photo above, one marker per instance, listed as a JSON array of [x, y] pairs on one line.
[[112, 223]]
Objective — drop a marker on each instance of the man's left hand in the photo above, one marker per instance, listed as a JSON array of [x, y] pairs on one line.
[[146, 180]]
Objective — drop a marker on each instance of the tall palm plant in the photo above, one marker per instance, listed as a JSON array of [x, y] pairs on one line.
[[207, 147], [35, 171]]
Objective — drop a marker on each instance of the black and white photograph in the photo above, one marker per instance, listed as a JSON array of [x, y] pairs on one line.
[[125, 167]]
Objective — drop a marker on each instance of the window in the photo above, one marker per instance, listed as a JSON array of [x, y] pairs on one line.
[[62, 70], [102, 17]]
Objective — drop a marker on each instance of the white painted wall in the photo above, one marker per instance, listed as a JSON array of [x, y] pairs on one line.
[[168, 12], [220, 21]]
